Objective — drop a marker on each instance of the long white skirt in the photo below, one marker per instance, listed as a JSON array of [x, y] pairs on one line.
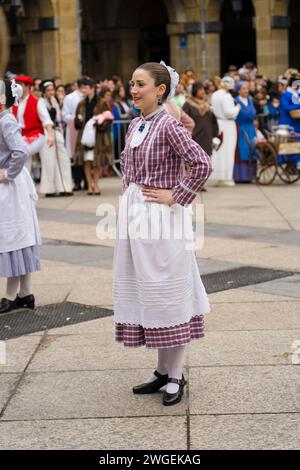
[[223, 159], [56, 167], [156, 282]]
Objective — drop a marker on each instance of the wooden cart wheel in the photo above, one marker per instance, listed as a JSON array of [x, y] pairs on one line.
[[288, 172], [266, 167], [3, 43]]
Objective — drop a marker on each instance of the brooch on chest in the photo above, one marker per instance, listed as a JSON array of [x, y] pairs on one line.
[[142, 127]]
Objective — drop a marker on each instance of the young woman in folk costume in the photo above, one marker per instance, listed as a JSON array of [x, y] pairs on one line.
[[19, 231], [159, 298]]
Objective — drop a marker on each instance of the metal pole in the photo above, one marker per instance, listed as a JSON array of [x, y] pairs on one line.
[[203, 39]]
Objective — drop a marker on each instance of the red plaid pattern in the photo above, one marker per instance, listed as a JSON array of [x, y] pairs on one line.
[[159, 160], [179, 335]]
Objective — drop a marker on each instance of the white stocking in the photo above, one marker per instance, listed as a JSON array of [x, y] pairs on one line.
[[175, 366], [162, 363], [12, 287], [25, 285]]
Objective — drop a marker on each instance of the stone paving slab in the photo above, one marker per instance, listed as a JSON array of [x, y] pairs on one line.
[[8, 383], [244, 389], [254, 316], [89, 352], [158, 433], [245, 432], [247, 294], [243, 348], [86, 394], [288, 286], [18, 353]]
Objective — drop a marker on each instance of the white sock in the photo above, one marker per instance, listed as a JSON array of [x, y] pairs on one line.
[[12, 287], [25, 285], [175, 366], [162, 364]]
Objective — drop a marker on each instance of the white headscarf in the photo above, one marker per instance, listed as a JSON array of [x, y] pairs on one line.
[[174, 79]]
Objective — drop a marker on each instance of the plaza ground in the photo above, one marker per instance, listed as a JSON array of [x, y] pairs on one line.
[[70, 387]]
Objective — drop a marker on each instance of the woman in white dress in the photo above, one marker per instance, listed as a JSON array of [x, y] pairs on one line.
[[225, 111], [19, 231], [56, 176]]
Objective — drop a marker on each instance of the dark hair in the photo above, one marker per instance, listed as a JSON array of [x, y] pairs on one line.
[[85, 80], [104, 90], [10, 100], [116, 92], [160, 74], [197, 86]]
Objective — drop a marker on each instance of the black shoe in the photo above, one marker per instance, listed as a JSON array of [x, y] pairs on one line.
[[25, 302], [50, 195], [152, 387], [8, 305], [65, 194], [170, 399], [77, 187]]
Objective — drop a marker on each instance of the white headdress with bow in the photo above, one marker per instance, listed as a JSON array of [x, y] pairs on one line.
[[174, 79]]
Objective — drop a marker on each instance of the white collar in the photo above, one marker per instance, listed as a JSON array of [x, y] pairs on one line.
[[149, 116]]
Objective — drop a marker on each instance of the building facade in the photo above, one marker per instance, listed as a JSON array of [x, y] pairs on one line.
[[105, 37]]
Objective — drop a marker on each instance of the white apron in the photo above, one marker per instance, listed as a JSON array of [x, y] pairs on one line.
[[156, 282], [18, 220]]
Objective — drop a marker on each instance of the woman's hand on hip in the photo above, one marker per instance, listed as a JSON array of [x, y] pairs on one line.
[[161, 196]]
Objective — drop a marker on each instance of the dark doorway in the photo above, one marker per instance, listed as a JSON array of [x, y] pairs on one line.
[[153, 42], [294, 34], [104, 29], [238, 37]]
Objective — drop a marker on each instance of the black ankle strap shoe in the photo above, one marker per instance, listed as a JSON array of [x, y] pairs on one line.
[[151, 387], [170, 399], [7, 305], [25, 302]]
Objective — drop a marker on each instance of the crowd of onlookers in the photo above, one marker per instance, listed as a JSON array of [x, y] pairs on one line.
[[92, 116]]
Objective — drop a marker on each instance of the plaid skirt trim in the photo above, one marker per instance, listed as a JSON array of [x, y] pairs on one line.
[[173, 336]]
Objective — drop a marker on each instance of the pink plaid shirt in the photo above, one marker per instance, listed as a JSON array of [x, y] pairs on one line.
[[159, 160]]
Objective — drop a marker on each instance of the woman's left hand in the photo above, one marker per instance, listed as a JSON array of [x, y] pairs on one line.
[[161, 196]]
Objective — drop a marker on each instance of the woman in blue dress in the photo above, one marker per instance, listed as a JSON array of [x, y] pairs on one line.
[[244, 172]]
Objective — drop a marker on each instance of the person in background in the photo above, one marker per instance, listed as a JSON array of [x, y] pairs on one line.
[[36, 91], [290, 109], [226, 111], [70, 104], [261, 105], [121, 112], [244, 171], [57, 81], [103, 148], [56, 178], [60, 93], [198, 108], [273, 112], [180, 95], [33, 117], [180, 115], [84, 156]]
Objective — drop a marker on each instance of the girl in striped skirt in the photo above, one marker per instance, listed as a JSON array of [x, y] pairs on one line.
[[159, 299]]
